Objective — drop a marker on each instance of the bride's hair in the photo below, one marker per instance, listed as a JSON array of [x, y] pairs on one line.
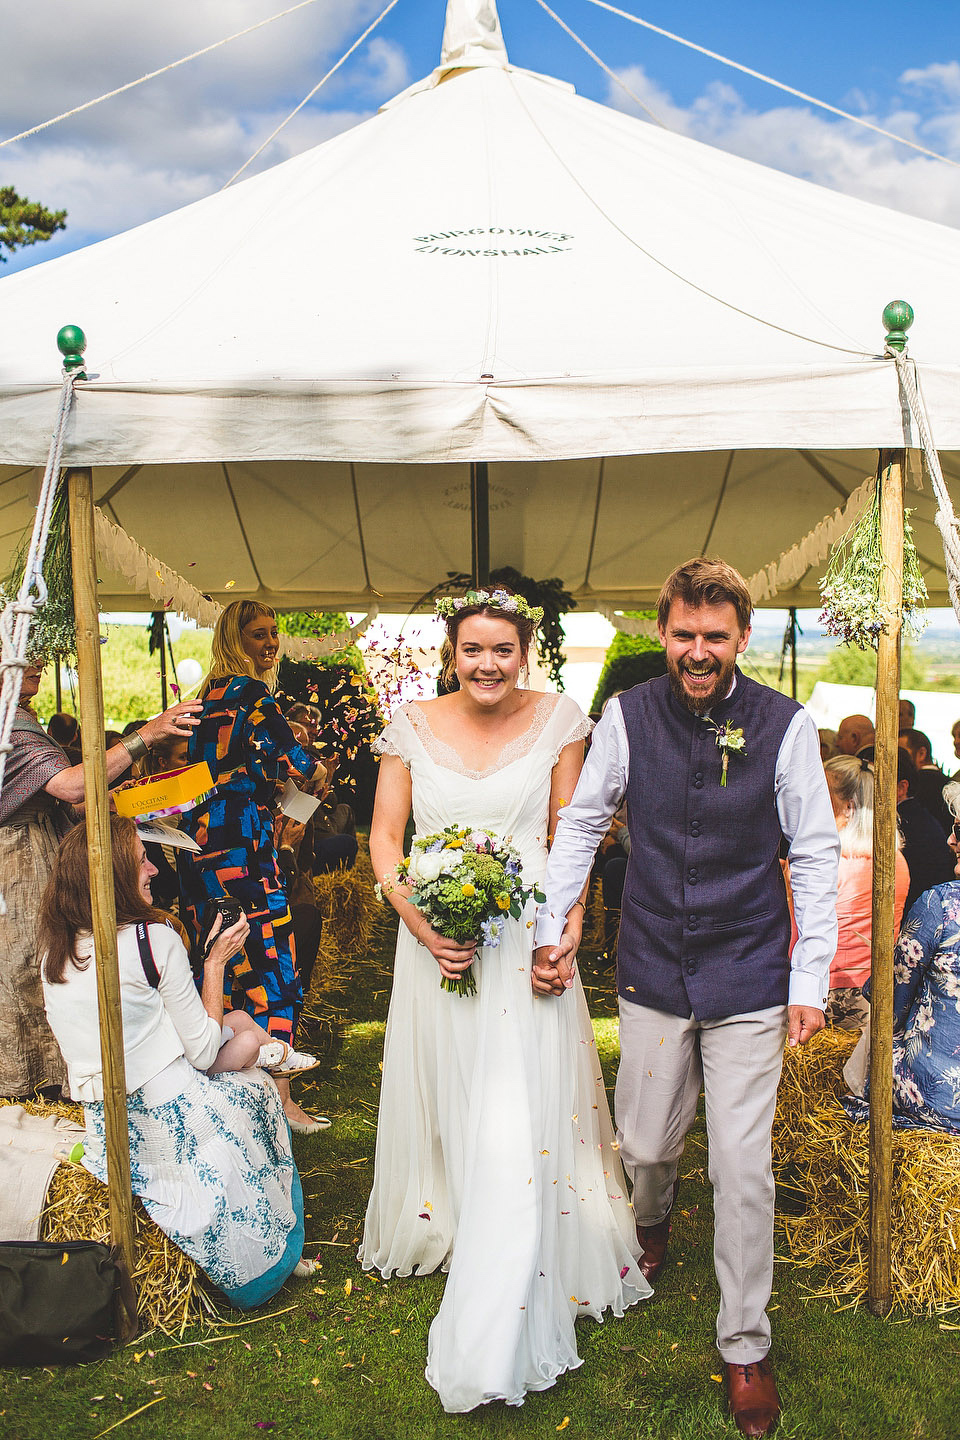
[[523, 624]]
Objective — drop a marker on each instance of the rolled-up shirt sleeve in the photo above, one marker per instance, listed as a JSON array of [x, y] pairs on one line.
[[584, 822], [807, 821]]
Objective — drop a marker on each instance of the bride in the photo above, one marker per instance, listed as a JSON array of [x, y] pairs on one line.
[[495, 1157]]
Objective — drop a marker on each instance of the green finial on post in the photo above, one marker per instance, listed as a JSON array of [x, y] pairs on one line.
[[897, 317], [71, 342]]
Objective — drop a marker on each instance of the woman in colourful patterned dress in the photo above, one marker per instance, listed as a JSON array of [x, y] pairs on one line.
[[250, 749]]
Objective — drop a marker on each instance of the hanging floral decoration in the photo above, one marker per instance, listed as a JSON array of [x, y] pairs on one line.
[[850, 589], [53, 629]]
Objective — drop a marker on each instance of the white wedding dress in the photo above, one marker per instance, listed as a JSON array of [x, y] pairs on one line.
[[495, 1155]]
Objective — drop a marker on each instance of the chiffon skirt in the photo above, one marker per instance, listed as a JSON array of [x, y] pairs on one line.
[[495, 1161]]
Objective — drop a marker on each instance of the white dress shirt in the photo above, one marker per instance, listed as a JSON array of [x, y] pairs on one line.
[[806, 819]]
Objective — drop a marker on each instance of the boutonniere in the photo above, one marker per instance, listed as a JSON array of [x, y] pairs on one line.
[[729, 741]]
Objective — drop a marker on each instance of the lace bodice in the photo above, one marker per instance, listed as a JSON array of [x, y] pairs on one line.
[[511, 797]]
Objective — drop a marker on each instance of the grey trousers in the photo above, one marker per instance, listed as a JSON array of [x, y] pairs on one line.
[[664, 1060]]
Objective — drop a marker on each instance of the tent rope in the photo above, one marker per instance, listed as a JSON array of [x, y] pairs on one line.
[[18, 613], [307, 98], [611, 74], [777, 84], [152, 74], [946, 519]]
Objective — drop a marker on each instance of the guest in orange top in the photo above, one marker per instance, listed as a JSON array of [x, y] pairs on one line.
[[850, 781]]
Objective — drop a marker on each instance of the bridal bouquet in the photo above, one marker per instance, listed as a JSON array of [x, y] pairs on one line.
[[467, 883]]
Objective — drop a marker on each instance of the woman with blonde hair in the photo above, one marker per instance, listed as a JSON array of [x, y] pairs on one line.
[[250, 749], [850, 782]]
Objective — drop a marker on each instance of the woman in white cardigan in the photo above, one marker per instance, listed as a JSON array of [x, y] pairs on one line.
[[209, 1156]]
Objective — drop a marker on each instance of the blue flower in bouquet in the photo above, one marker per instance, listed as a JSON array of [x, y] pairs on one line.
[[490, 931]]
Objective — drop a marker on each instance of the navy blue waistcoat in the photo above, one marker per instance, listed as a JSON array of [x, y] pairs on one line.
[[704, 927]]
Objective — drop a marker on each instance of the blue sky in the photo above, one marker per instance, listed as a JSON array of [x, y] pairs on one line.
[[181, 136]]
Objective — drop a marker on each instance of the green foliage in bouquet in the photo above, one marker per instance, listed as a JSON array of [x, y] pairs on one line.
[[467, 883]]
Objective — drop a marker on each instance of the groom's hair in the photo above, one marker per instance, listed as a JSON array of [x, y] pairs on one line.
[[706, 582]]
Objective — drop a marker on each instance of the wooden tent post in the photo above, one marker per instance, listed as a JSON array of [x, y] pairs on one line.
[[100, 852], [884, 861]]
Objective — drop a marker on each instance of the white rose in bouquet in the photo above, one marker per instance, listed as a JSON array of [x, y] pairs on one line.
[[429, 867]]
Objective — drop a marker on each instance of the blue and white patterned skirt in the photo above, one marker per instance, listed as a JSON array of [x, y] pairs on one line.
[[210, 1159]]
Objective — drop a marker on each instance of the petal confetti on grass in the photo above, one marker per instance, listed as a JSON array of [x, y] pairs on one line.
[[564, 1423], [348, 1288]]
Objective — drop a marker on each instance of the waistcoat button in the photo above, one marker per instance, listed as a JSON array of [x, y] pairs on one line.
[[692, 922], [698, 780], [696, 828], [693, 875]]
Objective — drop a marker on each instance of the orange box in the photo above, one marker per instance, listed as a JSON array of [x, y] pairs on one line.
[[168, 794]]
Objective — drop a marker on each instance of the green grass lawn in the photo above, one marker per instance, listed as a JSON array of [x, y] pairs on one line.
[[342, 1354]]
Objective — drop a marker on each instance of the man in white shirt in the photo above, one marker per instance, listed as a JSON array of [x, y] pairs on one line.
[[715, 770]]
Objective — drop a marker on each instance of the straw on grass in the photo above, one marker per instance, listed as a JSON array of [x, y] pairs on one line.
[[818, 1148]]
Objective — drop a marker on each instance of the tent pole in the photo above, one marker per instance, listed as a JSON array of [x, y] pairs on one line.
[[884, 861], [163, 657], [57, 683], [793, 651], [102, 904], [480, 522]]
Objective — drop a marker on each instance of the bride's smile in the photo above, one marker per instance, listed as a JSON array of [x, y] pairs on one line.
[[488, 657]]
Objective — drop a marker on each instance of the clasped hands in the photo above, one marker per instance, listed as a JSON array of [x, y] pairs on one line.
[[554, 966]]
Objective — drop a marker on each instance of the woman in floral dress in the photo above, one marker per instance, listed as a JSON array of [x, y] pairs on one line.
[[926, 1008]]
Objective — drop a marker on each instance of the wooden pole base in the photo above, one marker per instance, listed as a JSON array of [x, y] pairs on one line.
[[100, 852]]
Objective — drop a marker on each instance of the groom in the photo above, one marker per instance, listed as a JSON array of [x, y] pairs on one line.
[[714, 768]]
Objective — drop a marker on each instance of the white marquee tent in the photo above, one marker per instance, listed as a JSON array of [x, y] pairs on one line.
[[659, 348]]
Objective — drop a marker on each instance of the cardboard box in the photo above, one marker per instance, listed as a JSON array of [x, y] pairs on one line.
[[168, 794]]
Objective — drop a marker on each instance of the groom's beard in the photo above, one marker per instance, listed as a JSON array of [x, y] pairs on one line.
[[699, 704]]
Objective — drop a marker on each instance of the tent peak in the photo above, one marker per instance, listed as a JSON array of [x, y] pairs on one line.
[[472, 37]]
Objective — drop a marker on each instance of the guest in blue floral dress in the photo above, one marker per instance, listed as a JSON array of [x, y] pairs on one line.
[[250, 749], [209, 1157], [926, 1009]]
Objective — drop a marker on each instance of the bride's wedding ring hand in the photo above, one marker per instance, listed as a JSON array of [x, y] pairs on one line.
[[554, 967], [451, 957]]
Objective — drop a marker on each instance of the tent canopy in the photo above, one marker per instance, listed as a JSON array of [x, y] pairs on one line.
[[659, 348]]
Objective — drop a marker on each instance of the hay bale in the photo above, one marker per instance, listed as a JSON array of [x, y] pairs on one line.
[[353, 918], [172, 1291], [826, 1154]]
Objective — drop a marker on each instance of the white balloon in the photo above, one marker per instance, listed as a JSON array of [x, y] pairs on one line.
[[189, 673]]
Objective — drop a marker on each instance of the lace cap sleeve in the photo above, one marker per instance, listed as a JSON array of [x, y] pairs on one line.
[[571, 723], [396, 738]]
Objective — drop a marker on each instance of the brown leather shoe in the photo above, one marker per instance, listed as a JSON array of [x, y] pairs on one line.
[[654, 1240], [752, 1397]]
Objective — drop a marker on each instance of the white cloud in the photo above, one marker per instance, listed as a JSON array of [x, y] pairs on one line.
[[182, 135], [830, 151]]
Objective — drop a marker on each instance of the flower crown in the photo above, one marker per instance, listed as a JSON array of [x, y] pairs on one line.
[[447, 605]]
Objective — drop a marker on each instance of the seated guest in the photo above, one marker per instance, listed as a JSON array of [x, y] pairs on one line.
[[210, 1158], [850, 782], [65, 729], [828, 744], [855, 735], [925, 849], [955, 732], [926, 1012], [166, 755], [930, 778], [908, 715]]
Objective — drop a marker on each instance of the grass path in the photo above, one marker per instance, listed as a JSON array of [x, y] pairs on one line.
[[345, 1357]]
